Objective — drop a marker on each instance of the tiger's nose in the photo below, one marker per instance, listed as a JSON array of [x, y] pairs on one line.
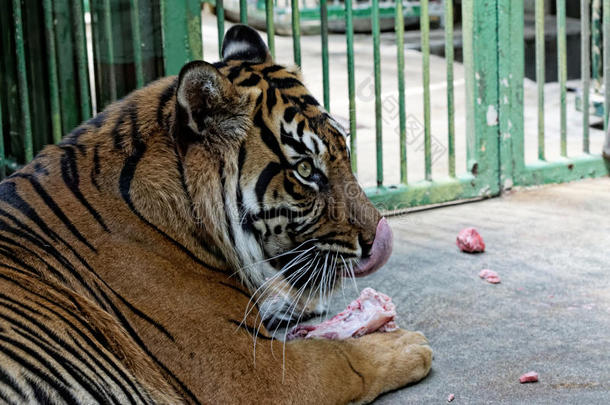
[[365, 246]]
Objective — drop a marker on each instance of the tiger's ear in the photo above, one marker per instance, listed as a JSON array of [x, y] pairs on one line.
[[244, 43], [209, 107]]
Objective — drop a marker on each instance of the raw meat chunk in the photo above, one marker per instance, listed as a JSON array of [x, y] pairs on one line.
[[372, 311], [469, 241], [532, 376], [490, 276]]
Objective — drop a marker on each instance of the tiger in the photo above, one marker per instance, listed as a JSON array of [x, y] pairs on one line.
[[151, 255]]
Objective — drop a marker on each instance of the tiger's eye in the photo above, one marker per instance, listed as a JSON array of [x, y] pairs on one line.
[[304, 169]]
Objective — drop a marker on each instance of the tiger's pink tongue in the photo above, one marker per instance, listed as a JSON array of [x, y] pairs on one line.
[[380, 252]]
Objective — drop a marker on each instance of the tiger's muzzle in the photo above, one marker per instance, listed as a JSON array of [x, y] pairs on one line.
[[379, 252]]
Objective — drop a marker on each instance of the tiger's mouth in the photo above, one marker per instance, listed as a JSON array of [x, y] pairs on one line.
[[311, 275], [380, 251]]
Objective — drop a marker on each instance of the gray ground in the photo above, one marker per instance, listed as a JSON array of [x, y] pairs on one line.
[[551, 313]]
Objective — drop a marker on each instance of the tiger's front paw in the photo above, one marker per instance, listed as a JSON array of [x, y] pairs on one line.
[[393, 360]]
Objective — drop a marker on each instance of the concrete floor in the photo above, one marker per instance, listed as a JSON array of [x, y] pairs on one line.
[[551, 313]]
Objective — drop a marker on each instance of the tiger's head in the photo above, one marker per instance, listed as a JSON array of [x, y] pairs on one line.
[[297, 221]]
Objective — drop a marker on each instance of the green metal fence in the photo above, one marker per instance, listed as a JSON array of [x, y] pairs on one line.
[[47, 86]]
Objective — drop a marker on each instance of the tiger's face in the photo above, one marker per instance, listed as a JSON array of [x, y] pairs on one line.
[[300, 222]]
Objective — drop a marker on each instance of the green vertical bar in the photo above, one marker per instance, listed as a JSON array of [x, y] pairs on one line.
[[243, 11], [296, 31], [377, 70], [53, 81], [562, 70], [596, 43], [137, 42], [402, 118], [108, 41], [510, 72], [540, 80], [425, 47], [324, 37], [220, 22], [2, 162], [269, 15], [24, 102], [82, 69], [351, 82], [481, 68], [585, 69], [450, 94], [606, 56], [181, 32]]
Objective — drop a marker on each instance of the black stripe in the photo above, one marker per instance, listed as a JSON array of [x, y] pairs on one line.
[[253, 80], [166, 96], [269, 172], [300, 128], [287, 139], [98, 120], [71, 140], [269, 138], [338, 242], [309, 100], [271, 69], [271, 99], [289, 187], [289, 114], [284, 82], [234, 73]]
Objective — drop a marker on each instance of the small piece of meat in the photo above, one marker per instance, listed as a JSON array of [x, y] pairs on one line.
[[450, 398], [469, 241], [371, 312], [532, 376], [490, 276]]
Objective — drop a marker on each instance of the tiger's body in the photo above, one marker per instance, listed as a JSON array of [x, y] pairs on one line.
[[129, 252]]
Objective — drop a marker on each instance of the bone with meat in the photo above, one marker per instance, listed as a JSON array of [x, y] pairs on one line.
[[371, 312]]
